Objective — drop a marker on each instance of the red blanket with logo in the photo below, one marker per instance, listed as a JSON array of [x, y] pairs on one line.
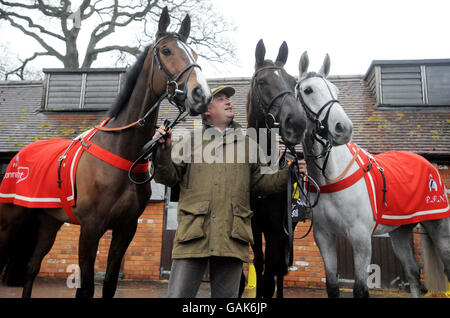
[[415, 190], [31, 179]]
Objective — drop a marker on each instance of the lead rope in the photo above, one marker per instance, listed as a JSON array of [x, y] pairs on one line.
[[304, 183], [152, 148]]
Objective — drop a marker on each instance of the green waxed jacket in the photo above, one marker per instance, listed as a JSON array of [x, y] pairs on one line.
[[214, 216]]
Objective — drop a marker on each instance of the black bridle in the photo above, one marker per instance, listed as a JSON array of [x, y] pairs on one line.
[[321, 130], [271, 120], [304, 183], [175, 93]]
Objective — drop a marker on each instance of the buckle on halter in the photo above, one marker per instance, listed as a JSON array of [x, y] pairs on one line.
[[271, 121], [141, 122], [172, 89]]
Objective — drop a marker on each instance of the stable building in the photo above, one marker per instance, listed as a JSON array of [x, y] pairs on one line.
[[396, 105]]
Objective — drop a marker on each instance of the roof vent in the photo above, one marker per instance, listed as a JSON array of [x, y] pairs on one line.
[[81, 89], [410, 82]]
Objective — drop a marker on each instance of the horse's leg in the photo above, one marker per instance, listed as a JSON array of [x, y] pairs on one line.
[[7, 231], [11, 219], [47, 230], [280, 280], [258, 262], [258, 256], [402, 241], [327, 245], [268, 283], [362, 253], [90, 235], [439, 233], [271, 261], [18, 228], [121, 238]]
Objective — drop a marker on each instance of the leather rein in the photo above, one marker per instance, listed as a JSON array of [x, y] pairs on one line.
[[175, 93]]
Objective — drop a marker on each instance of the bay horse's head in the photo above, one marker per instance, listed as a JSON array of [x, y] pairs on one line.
[[318, 96], [174, 68], [272, 88]]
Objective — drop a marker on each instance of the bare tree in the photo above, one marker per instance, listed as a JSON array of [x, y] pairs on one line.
[[13, 68], [56, 25]]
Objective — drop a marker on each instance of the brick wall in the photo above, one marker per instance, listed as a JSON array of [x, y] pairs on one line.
[[141, 260], [307, 269], [143, 257]]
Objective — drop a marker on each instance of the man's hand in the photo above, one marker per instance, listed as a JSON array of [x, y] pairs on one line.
[[302, 166], [165, 141]]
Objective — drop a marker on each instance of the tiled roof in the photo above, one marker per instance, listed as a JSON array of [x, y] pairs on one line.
[[22, 122], [422, 130]]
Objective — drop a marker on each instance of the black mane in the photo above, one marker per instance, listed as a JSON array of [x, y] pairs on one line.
[[130, 82], [131, 79]]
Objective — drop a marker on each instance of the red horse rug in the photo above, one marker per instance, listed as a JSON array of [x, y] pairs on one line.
[[42, 174], [32, 176], [403, 187]]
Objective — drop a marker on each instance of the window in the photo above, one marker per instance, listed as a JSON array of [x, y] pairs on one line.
[[410, 83], [81, 89]]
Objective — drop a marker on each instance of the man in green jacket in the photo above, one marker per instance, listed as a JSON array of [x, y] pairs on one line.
[[214, 216]]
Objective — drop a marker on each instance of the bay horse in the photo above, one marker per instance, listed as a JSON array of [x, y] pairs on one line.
[[271, 104], [354, 211], [105, 197]]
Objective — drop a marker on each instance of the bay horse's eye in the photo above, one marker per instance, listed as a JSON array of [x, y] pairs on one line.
[[166, 51], [308, 90]]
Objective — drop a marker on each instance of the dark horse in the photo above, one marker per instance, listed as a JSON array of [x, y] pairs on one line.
[[106, 199], [271, 104]]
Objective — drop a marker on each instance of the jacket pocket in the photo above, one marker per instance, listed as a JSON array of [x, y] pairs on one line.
[[242, 226], [192, 217]]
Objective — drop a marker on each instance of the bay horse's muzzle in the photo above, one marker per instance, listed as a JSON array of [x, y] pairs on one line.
[[199, 102]]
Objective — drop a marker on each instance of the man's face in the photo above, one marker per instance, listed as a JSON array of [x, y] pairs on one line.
[[220, 109]]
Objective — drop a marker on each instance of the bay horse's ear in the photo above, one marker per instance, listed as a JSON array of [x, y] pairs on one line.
[[282, 54], [303, 65], [185, 28], [325, 69], [260, 53], [164, 22]]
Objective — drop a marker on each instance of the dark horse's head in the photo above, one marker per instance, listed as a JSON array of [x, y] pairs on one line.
[[271, 101], [167, 66]]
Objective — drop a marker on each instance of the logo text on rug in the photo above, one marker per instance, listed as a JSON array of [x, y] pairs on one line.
[[21, 174]]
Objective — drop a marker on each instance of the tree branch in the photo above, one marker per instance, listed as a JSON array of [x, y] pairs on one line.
[[39, 4], [31, 24], [208, 33], [50, 49], [124, 48], [19, 72]]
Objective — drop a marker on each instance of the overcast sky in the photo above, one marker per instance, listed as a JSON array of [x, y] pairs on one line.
[[353, 32]]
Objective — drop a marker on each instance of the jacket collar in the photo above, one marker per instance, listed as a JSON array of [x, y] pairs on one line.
[[234, 127]]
